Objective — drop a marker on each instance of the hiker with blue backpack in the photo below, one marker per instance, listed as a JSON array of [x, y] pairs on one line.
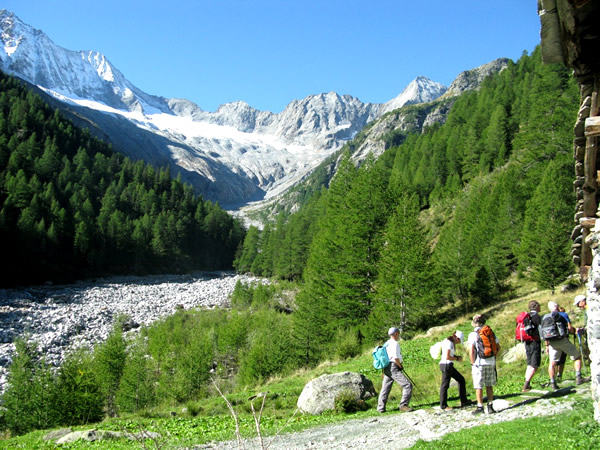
[[449, 371], [555, 331], [483, 348], [393, 372]]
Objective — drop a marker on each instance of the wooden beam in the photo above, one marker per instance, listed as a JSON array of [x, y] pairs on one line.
[[592, 126]]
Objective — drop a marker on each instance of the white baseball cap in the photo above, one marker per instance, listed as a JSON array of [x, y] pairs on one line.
[[552, 306], [393, 330], [460, 335], [578, 299]]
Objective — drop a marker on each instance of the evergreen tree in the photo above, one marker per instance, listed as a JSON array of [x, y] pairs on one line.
[[109, 360], [404, 289], [30, 396]]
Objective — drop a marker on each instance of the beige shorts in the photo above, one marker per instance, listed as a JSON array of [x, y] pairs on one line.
[[484, 376], [557, 348]]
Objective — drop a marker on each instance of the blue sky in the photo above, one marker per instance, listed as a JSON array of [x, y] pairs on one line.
[[271, 52]]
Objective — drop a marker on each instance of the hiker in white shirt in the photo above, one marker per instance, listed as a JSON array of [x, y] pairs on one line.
[[449, 371], [393, 372]]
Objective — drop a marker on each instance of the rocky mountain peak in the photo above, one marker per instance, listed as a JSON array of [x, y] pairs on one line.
[[420, 90], [234, 155], [472, 79]]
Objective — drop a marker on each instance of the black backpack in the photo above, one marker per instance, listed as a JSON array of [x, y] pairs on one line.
[[553, 327]]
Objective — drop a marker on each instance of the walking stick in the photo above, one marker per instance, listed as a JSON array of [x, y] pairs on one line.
[[581, 351], [411, 382]]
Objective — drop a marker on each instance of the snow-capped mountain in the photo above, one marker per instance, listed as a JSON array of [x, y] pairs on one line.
[[420, 90], [234, 155]]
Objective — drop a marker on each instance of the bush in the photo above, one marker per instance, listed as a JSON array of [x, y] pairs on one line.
[[109, 363], [241, 297], [182, 349], [193, 408], [30, 398], [346, 402], [137, 387], [78, 391], [268, 353], [346, 344], [232, 334]]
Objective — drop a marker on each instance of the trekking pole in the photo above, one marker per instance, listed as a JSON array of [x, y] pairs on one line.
[[412, 382], [581, 350]]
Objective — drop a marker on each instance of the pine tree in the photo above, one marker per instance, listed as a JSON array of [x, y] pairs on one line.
[[404, 290], [109, 360]]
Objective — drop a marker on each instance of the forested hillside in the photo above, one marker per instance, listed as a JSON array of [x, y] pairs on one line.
[[443, 219], [70, 207]]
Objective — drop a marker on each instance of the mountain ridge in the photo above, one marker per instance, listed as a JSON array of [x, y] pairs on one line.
[[233, 155]]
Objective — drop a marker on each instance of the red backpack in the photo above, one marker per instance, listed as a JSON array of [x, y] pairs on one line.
[[525, 328]]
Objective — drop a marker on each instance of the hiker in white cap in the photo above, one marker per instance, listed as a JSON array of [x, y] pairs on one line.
[[393, 372], [449, 371], [580, 302]]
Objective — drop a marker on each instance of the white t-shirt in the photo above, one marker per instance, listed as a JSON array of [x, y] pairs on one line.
[[481, 361], [447, 344], [393, 350]]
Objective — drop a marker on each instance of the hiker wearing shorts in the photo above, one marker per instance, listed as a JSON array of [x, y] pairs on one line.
[[393, 372], [559, 367], [533, 349], [556, 347], [483, 370], [448, 371]]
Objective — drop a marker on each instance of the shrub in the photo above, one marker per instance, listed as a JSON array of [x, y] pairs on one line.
[[232, 334], [78, 391], [109, 363], [182, 348], [268, 352], [346, 402], [30, 398], [346, 344], [137, 387], [241, 297], [193, 408]]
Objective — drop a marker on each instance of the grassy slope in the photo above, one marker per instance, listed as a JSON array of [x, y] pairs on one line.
[[212, 421]]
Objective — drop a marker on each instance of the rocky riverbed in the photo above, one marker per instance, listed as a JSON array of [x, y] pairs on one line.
[[59, 318]]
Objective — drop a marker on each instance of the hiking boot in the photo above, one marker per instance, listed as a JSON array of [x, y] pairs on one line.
[[491, 409], [554, 385], [580, 380], [466, 403], [447, 408], [479, 410], [405, 408], [526, 387]]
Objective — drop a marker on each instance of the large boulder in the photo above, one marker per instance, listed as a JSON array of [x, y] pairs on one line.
[[319, 394], [516, 353]]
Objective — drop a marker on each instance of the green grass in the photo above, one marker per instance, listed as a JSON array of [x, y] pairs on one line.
[[572, 429], [211, 420]]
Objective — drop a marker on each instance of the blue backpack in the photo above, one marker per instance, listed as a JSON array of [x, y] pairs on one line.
[[380, 357]]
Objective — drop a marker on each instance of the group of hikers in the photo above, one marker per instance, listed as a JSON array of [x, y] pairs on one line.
[[553, 329]]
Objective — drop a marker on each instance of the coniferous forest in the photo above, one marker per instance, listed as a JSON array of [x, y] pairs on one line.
[[71, 208], [446, 218]]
